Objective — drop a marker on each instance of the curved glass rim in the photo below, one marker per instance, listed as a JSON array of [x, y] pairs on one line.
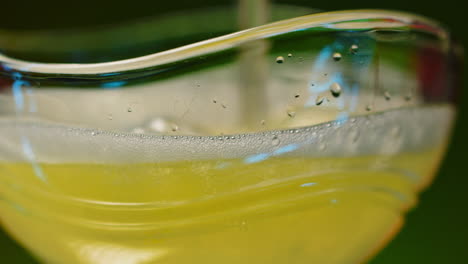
[[363, 19]]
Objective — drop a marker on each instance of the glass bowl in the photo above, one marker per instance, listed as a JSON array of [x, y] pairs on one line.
[[180, 140]]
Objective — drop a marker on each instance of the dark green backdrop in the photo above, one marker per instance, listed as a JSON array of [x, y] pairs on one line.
[[435, 232]]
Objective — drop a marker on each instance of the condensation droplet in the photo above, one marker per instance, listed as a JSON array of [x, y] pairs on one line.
[[354, 48], [279, 59], [291, 114], [335, 89], [408, 97], [290, 55], [262, 122], [174, 128], [224, 106], [110, 117], [275, 141], [387, 96], [319, 100], [337, 56], [215, 101], [129, 110], [368, 108], [297, 95]]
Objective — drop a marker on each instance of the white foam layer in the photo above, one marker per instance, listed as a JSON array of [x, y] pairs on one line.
[[383, 133]]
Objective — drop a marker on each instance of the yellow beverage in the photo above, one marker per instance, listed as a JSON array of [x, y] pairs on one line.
[[330, 193]]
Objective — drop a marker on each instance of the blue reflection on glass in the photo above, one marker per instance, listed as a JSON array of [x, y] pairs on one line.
[[28, 151], [222, 165], [323, 57], [32, 102], [113, 85], [18, 94], [263, 156], [342, 117], [256, 158], [18, 208], [109, 74], [285, 149], [354, 97], [308, 184]]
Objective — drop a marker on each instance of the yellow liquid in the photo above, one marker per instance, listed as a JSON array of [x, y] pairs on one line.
[[298, 208]]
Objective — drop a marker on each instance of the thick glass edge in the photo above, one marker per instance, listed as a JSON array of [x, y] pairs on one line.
[[338, 20]]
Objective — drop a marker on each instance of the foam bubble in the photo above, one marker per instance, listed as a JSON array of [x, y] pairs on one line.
[[53, 143]]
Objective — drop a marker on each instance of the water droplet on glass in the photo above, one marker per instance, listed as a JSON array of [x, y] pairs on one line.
[[290, 55], [291, 114], [110, 117], [262, 122], [408, 97], [354, 48], [368, 108], [129, 109], [215, 101], [174, 128], [275, 141], [224, 106], [337, 56], [335, 89], [387, 96], [297, 95], [319, 100], [279, 59]]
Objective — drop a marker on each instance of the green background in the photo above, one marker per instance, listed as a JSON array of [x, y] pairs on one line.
[[435, 232]]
